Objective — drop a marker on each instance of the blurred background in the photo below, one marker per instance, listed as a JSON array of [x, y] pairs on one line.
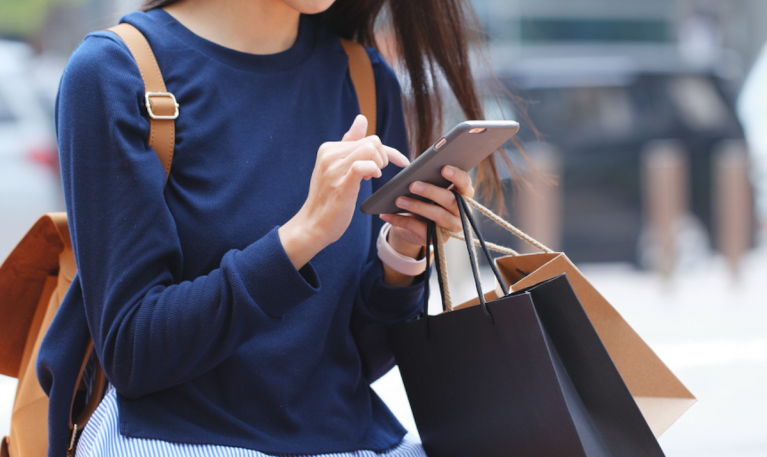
[[644, 126]]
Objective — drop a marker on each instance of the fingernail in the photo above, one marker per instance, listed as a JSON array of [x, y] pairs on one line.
[[385, 217], [416, 188], [402, 202], [448, 172]]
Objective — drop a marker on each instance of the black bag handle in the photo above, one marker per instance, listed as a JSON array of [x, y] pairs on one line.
[[465, 213], [431, 239], [467, 220]]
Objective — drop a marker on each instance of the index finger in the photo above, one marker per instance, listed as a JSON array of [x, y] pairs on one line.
[[396, 157]]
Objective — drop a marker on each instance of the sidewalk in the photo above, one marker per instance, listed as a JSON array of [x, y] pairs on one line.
[[710, 331]]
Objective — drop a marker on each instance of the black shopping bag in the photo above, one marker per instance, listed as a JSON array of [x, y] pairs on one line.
[[522, 375]]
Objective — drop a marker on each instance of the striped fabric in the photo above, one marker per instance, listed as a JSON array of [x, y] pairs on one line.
[[102, 437]]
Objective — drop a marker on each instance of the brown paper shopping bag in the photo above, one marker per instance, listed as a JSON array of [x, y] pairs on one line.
[[660, 395]]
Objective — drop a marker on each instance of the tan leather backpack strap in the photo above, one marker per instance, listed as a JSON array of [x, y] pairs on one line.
[[76, 425], [162, 110], [67, 270], [361, 71], [160, 104]]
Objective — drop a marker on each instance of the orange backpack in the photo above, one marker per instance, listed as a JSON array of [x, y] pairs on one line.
[[36, 275]]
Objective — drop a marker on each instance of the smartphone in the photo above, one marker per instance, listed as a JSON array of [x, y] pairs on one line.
[[464, 146]]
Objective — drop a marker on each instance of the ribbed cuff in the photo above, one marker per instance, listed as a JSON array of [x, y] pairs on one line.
[[271, 279]]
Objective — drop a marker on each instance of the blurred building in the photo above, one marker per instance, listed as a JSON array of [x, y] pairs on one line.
[[736, 24], [699, 25], [603, 81], [712, 42]]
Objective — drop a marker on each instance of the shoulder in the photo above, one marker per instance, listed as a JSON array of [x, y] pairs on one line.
[[101, 81], [388, 90], [102, 54], [95, 47], [100, 58], [100, 78], [329, 42], [385, 76], [388, 97]]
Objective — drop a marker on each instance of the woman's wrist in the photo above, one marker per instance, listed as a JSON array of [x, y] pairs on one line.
[[414, 251], [299, 242], [398, 258]]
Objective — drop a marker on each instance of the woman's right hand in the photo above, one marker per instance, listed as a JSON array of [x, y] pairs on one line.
[[335, 184]]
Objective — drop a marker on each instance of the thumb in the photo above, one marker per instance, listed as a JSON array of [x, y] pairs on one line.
[[357, 130]]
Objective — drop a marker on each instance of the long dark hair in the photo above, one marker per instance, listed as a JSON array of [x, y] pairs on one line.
[[433, 39]]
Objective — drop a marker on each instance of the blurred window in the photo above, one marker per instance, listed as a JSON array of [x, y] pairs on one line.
[[698, 102], [5, 112], [654, 31]]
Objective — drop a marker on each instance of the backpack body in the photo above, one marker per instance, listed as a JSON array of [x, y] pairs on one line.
[[33, 281]]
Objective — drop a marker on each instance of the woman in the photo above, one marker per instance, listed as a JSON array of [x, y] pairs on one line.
[[239, 308]]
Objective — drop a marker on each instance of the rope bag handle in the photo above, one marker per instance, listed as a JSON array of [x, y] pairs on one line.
[[444, 234]]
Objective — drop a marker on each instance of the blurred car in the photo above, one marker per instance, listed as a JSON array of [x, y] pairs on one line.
[[600, 106], [29, 177]]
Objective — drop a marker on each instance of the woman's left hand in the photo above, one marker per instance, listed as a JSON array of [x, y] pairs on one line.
[[408, 233]]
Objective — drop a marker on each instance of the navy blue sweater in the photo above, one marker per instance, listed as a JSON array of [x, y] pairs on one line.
[[202, 324]]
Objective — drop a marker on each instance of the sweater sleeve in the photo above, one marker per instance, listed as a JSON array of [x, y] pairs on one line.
[[379, 305], [151, 330]]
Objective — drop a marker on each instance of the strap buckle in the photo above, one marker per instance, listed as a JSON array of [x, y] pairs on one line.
[[148, 95], [75, 437]]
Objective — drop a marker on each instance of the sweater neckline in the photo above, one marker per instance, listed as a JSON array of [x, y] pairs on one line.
[[284, 60]]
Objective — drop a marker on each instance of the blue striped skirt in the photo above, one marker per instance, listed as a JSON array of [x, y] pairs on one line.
[[101, 437]]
